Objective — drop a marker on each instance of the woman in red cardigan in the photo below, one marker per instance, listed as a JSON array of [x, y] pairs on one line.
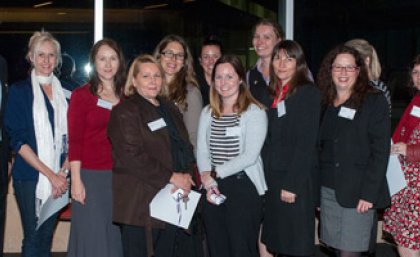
[[402, 219], [92, 232]]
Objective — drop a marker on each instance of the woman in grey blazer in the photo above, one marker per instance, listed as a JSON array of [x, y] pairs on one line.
[[354, 149]]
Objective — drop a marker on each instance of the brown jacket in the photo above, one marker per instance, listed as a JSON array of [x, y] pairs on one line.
[[142, 159]]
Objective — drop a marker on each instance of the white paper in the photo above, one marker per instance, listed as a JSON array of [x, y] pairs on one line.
[[164, 207], [51, 206], [395, 175], [281, 109], [415, 111], [157, 124], [347, 113]]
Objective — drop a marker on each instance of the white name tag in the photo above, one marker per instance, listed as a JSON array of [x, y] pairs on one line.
[[233, 131], [415, 111], [347, 113], [281, 109], [157, 124], [104, 104], [67, 93]]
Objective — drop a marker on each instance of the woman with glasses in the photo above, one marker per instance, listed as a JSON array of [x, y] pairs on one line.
[[180, 86], [373, 66], [290, 154], [354, 149], [402, 219]]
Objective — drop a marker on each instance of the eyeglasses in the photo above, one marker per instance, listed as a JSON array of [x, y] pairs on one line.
[[415, 73], [170, 55], [338, 68]]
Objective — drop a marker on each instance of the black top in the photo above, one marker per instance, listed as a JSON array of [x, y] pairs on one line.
[[355, 152], [258, 87], [204, 89]]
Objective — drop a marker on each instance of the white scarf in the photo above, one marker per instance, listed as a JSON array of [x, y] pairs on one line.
[[50, 146]]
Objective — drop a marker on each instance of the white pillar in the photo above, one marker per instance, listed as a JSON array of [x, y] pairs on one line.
[[99, 20], [286, 11]]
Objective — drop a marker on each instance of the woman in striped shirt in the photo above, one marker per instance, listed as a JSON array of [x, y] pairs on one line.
[[231, 133]]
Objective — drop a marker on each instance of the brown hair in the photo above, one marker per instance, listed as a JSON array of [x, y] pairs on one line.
[[278, 30], [300, 77], [176, 90], [244, 98], [327, 87], [129, 88], [119, 79]]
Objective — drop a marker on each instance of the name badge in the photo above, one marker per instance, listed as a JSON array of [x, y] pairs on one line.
[[233, 131], [67, 93], [157, 124], [104, 104], [347, 113], [415, 111], [281, 109]]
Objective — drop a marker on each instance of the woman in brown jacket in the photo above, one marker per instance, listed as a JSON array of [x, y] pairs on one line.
[[150, 149]]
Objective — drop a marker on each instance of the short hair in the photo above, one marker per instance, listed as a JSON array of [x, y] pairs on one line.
[[129, 88], [278, 30], [327, 87], [244, 98], [38, 38], [119, 79], [367, 50], [212, 41], [300, 77], [68, 65], [177, 90], [414, 63]]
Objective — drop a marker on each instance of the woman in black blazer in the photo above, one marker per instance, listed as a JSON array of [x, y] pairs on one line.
[[290, 154], [354, 149]]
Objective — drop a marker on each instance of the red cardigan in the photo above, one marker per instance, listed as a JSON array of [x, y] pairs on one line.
[[87, 124], [409, 123]]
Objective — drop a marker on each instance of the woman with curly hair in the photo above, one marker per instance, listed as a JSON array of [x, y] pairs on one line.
[[354, 149]]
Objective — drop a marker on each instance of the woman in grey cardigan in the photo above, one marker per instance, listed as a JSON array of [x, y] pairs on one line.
[[231, 133]]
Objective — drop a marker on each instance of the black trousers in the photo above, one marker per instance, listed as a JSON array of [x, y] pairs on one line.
[[232, 228], [134, 241]]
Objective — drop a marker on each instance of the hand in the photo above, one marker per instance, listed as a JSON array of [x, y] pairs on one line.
[[78, 192], [363, 206], [182, 180], [287, 196], [207, 180], [59, 184], [399, 148], [210, 191]]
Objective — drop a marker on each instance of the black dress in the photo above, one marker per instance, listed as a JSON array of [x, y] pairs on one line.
[[290, 163]]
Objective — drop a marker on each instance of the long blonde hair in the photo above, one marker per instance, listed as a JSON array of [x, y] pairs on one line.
[[366, 50]]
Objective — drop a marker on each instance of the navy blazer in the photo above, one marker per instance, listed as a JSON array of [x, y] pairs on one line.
[[361, 150]]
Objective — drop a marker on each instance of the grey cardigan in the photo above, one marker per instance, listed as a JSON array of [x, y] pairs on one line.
[[253, 124]]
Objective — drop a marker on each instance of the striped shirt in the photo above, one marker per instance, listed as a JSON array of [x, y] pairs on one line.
[[224, 139]]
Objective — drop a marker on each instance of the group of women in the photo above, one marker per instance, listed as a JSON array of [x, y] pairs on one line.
[[273, 143]]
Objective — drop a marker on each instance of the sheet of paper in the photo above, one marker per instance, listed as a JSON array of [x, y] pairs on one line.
[[395, 175], [51, 206], [165, 207]]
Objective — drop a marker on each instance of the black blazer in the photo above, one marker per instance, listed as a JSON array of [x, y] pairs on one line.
[[360, 154], [290, 150]]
